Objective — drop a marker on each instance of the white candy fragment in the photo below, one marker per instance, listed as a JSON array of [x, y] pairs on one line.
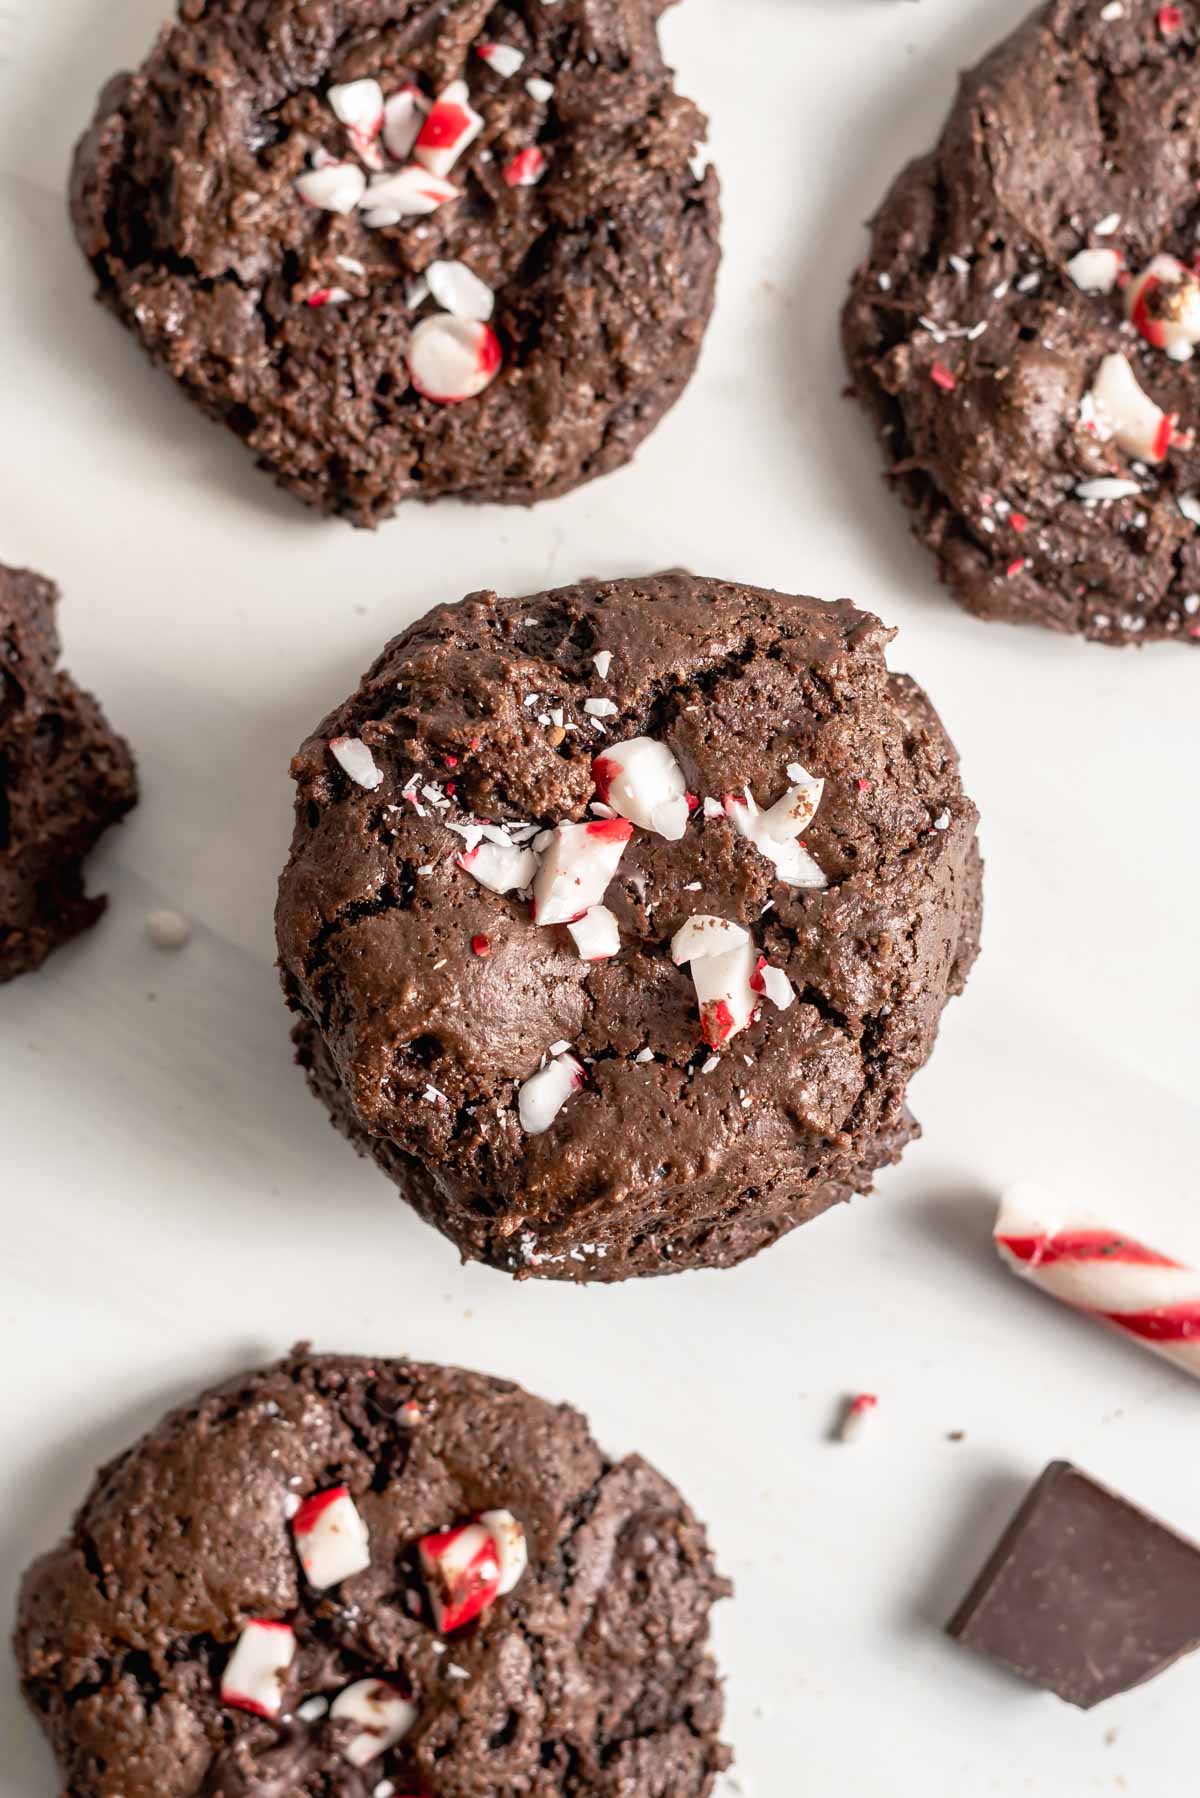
[[576, 867], [459, 290], [253, 1676], [774, 983], [596, 935], [331, 1538], [409, 193], [1163, 303], [1107, 487], [539, 90], [600, 708], [602, 662], [451, 125], [1095, 271], [511, 1547], [402, 115], [452, 359], [543, 1095], [774, 833], [526, 168], [385, 1713], [359, 106], [641, 780], [1121, 410], [1189, 506], [336, 187], [167, 930], [704, 935], [500, 867], [355, 759], [502, 59]]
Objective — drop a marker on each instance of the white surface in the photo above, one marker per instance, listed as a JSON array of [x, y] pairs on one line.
[[177, 1206]]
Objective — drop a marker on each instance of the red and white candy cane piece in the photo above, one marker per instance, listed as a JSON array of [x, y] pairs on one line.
[[334, 187], [543, 1095], [385, 1711], [358, 105], [723, 962], [452, 359], [1103, 1273], [402, 115], [452, 124], [462, 1573], [1118, 408], [502, 59], [1163, 303], [253, 1676], [576, 868], [596, 935], [1095, 271], [331, 1538], [511, 1547], [641, 780], [355, 759], [500, 867], [526, 168], [794, 865], [459, 290], [410, 192], [773, 983]]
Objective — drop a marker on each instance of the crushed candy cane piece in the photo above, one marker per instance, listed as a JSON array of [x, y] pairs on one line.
[[331, 1538], [452, 359], [358, 105], [794, 865], [328, 296], [386, 1713], [539, 90], [576, 867], [1095, 271], [502, 59], [355, 759], [1163, 304], [511, 1547], [450, 125], [167, 930], [1189, 506], [596, 935], [460, 291], [410, 192], [641, 780], [543, 1095], [500, 867], [526, 168], [402, 115], [335, 187], [702, 934], [253, 1676], [602, 662], [774, 984], [1124, 412], [1107, 487]]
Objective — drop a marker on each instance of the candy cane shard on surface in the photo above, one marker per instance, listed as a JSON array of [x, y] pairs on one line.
[[1102, 1272], [1118, 407], [253, 1676], [384, 1710], [331, 1538]]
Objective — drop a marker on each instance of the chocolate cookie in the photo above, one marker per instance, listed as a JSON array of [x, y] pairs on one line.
[[65, 776], [340, 1577], [564, 967], [1022, 330], [409, 249]]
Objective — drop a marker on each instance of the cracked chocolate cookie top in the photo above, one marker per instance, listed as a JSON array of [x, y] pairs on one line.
[[1024, 326], [618, 918], [408, 248], [65, 776], [339, 1577]]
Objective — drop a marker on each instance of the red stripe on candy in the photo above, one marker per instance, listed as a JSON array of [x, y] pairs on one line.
[[1084, 1245]]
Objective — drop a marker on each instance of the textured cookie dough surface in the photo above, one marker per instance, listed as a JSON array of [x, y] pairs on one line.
[[575, 204], [427, 1001], [65, 776], [591, 1678], [976, 338]]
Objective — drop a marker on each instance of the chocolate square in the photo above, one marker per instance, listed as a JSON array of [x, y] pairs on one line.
[[1085, 1595]]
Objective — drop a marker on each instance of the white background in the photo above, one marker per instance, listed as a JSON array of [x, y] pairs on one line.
[[177, 1206]]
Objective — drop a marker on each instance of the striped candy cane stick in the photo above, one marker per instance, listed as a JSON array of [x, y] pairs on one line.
[[1103, 1273]]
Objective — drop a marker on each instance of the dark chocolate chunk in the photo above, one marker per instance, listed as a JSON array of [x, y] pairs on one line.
[[1085, 1595]]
